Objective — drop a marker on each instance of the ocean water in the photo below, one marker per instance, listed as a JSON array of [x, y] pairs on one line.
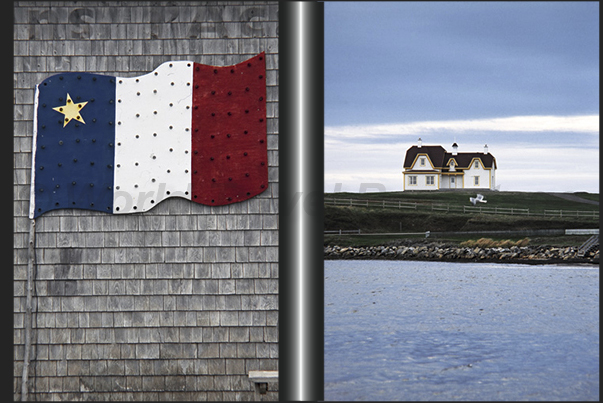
[[417, 331]]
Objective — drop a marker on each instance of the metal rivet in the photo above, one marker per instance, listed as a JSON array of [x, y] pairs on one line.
[[77, 140], [247, 174], [261, 98], [73, 183], [261, 76], [262, 186], [245, 132], [229, 92], [245, 154], [213, 114], [212, 136], [248, 193], [211, 158], [228, 135], [229, 114], [229, 179], [247, 89], [261, 141], [196, 151], [215, 71], [213, 179], [41, 168], [92, 185], [228, 157], [75, 160], [213, 92]]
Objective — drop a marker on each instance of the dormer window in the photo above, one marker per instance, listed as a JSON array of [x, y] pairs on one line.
[[422, 162], [476, 164]]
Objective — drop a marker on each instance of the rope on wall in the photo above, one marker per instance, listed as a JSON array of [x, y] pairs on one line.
[[28, 311]]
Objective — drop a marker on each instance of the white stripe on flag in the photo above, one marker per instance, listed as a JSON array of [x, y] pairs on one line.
[[153, 137]]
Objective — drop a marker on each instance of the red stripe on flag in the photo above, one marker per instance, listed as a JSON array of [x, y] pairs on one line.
[[229, 158]]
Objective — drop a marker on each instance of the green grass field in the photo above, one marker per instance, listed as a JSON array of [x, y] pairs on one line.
[[394, 220]]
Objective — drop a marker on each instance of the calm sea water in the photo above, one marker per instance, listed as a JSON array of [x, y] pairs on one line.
[[400, 330]]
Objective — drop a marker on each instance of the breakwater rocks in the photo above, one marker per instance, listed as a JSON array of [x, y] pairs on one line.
[[435, 251]]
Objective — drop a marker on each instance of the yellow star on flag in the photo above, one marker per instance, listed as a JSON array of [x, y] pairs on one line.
[[71, 111]]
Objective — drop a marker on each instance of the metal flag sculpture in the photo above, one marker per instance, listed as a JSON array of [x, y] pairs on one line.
[[122, 145]]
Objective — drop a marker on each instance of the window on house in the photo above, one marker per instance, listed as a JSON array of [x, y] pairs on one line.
[[422, 162], [477, 164], [429, 180], [412, 180], [476, 180]]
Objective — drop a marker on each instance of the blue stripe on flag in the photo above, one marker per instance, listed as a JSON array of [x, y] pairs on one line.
[[74, 146]]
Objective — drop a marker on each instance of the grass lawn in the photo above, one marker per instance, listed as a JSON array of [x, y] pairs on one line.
[[394, 220]]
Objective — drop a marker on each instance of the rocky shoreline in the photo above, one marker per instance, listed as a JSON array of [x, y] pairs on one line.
[[454, 253]]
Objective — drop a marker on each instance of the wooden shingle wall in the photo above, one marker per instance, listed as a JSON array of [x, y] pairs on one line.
[[177, 303]]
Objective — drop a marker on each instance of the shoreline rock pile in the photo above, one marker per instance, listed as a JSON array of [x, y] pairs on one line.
[[442, 252]]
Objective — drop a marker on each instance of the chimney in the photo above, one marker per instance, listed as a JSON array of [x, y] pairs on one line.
[[485, 148], [454, 148], [420, 142]]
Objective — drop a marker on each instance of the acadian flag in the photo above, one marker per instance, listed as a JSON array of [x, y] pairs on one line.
[[123, 144]]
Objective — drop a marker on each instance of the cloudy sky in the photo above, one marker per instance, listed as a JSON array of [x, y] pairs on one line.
[[521, 77]]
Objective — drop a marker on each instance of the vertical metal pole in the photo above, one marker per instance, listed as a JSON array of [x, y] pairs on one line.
[[301, 169], [28, 312]]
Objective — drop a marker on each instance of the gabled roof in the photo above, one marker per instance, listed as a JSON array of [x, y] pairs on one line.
[[464, 159], [435, 154], [440, 157]]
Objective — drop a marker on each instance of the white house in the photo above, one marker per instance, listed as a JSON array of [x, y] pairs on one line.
[[433, 168]]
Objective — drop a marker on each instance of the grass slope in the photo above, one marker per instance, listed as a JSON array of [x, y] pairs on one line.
[[388, 220]]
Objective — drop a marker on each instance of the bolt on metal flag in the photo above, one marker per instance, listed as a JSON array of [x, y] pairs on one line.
[[123, 144]]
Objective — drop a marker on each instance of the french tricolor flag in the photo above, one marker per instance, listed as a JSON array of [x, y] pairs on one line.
[[123, 144]]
